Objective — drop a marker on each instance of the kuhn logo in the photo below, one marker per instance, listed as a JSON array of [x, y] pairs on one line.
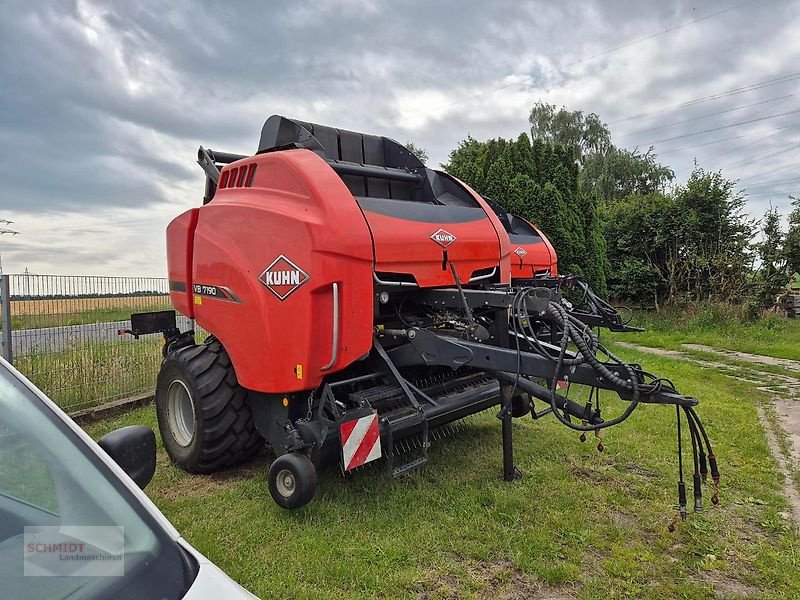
[[520, 252], [443, 238], [283, 277]]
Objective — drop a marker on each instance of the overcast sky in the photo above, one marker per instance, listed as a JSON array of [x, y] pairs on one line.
[[103, 105]]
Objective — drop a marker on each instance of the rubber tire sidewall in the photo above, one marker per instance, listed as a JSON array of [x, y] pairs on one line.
[[305, 477], [225, 434], [186, 457]]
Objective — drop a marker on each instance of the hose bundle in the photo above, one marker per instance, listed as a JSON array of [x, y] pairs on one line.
[[588, 345]]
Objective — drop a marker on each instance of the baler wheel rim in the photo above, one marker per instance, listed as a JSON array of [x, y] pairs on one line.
[[285, 483], [180, 409]]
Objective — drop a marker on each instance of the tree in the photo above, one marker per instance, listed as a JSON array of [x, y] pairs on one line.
[[538, 181], [467, 161], [586, 133], [606, 171], [641, 249], [715, 237], [692, 243], [772, 273], [791, 246], [619, 173], [417, 151]]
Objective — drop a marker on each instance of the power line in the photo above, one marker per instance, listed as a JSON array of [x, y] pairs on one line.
[[778, 169], [750, 146], [732, 92], [727, 139], [763, 156], [756, 120], [711, 143], [766, 183], [772, 194], [528, 78], [720, 112]]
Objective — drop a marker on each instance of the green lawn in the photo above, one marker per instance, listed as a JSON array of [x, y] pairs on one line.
[[580, 524], [774, 335]]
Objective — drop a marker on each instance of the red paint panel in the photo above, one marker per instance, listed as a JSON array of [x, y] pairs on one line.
[[180, 241], [500, 232], [404, 246], [540, 256], [300, 209]]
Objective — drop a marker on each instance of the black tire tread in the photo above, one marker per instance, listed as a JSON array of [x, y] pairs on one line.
[[305, 476], [229, 435]]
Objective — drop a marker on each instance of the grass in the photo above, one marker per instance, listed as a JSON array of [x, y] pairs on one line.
[[580, 523], [92, 373], [82, 374], [773, 335]]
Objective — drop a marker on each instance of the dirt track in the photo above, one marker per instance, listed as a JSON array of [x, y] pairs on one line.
[[780, 419]]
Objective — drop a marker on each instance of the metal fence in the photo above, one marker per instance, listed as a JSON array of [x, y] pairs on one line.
[[62, 333]]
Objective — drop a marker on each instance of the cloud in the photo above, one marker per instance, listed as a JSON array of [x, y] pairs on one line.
[[102, 105]]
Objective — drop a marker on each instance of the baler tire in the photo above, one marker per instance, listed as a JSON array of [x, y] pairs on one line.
[[292, 480], [218, 428], [520, 405]]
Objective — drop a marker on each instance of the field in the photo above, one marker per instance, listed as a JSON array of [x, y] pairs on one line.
[[581, 524], [58, 312]]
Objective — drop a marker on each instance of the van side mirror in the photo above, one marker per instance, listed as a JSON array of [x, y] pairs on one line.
[[134, 449]]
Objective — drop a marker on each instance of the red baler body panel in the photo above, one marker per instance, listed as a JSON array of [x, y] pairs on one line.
[[180, 247], [406, 246], [530, 258], [256, 266], [502, 236], [299, 213]]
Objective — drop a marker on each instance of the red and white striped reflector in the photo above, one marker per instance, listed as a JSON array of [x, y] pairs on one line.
[[361, 441]]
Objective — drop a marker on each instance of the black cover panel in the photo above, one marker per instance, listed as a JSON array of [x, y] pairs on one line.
[[279, 132], [399, 190], [373, 155], [522, 240], [420, 211], [521, 226], [505, 218], [352, 151], [329, 138], [349, 146]]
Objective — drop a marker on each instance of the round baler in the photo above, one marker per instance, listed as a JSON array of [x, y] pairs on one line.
[[357, 304]]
